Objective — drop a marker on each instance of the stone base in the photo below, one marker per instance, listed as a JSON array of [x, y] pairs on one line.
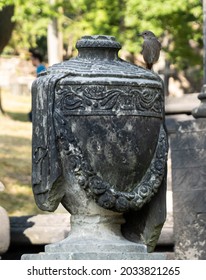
[[95, 250], [95, 256], [95, 237]]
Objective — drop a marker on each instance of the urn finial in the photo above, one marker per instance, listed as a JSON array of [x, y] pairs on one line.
[[98, 41]]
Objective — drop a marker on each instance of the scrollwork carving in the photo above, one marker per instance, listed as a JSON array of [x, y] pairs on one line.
[[110, 100]]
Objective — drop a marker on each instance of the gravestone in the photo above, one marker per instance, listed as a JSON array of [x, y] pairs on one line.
[[188, 146], [100, 149]]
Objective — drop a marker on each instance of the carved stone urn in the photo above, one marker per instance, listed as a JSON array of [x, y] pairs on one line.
[[100, 149]]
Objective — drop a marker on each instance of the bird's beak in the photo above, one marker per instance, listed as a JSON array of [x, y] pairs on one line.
[[139, 34]]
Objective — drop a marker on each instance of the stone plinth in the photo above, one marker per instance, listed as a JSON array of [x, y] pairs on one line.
[[95, 237], [118, 255], [188, 145]]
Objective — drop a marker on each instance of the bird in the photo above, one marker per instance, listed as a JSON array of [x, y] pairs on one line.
[[150, 49]]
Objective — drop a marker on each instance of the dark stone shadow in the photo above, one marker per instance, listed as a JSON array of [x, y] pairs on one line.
[[20, 244]]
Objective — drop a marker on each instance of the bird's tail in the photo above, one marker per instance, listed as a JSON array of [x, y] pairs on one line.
[[149, 66]]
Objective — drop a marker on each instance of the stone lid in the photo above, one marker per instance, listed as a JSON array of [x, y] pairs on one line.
[[98, 41]]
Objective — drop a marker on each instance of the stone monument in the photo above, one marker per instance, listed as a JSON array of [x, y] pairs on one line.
[[100, 148]]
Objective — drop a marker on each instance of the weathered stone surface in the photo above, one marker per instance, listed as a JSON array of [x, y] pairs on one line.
[[119, 255], [100, 145], [189, 189], [190, 240], [4, 231], [188, 178], [185, 201], [189, 158]]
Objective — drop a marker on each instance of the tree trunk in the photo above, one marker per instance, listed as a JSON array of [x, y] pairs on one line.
[[1, 108], [6, 25], [54, 40], [167, 75]]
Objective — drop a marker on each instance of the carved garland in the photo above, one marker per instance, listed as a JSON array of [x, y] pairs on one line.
[[104, 194]]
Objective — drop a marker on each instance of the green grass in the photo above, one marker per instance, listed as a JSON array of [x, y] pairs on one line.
[[15, 156]]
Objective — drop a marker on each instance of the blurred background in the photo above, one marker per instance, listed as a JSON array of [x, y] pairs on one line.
[[54, 26]]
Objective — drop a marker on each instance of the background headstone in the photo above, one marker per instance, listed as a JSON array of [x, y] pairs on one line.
[[188, 146]]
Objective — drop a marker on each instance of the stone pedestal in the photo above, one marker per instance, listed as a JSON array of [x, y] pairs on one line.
[[4, 231], [95, 237], [188, 145]]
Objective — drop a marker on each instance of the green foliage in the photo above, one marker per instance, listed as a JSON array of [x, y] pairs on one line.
[[177, 23], [6, 3]]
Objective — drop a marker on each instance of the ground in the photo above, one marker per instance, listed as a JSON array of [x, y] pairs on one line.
[[15, 156]]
